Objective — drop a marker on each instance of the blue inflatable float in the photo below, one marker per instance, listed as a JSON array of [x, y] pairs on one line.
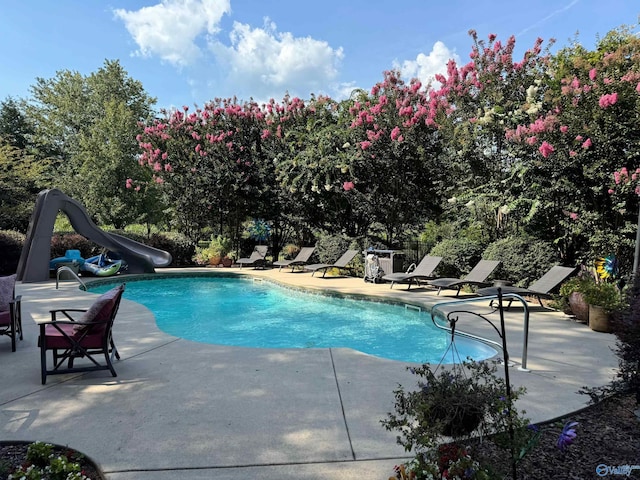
[[100, 265]]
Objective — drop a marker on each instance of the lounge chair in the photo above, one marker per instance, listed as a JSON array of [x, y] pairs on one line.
[[423, 271], [477, 277], [10, 310], [89, 336], [540, 289], [341, 263], [256, 258], [300, 261]]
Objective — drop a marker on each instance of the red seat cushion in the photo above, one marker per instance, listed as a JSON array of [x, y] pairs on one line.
[[5, 318], [56, 339]]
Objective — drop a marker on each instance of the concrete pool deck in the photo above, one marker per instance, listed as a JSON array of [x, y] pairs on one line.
[[180, 409]]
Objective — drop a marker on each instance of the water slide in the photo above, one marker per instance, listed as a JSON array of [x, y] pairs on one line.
[[36, 252]]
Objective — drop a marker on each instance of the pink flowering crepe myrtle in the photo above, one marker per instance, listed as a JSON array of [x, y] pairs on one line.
[[625, 182]]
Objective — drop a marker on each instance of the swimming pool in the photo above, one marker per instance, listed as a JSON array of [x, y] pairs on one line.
[[240, 312]]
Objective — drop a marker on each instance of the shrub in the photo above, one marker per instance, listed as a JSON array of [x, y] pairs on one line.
[[524, 259], [330, 247], [290, 251], [626, 327], [452, 404], [459, 256], [181, 247], [61, 242], [11, 243], [215, 250]]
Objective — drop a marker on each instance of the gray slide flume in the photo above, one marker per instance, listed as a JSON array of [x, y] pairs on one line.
[[36, 252]]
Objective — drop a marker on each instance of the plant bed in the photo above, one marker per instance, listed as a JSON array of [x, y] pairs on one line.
[[607, 433], [15, 455]]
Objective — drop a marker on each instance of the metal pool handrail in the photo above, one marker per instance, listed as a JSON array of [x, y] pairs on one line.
[[64, 268], [525, 337]]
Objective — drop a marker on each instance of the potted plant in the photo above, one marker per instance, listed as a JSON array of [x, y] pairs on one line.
[[603, 299], [213, 254], [228, 259], [572, 291], [452, 403]]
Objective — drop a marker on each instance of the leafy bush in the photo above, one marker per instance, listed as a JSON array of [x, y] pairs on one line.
[[524, 259], [290, 251], [213, 253], [181, 248], [330, 247], [459, 256], [178, 245], [61, 242], [626, 327], [454, 403], [11, 243]]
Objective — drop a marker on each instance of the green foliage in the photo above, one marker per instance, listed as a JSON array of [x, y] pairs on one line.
[[181, 248], [219, 246], [454, 403], [38, 453], [459, 256], [519, 146], [601, 294], [11, 243], [577, 283], [42, 463], [61, 242], [626, 327], [330, 247], [523, 259], [434, 232], [88, 126]]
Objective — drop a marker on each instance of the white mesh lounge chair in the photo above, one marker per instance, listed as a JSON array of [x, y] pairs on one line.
[[423, 271], [540, 289], [477, 277], [300, 261], [341, 263]]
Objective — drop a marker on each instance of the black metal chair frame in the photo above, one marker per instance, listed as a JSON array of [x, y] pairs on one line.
[[14, 329], [75, 349]]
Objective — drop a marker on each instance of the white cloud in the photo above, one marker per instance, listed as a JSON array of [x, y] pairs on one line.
[[170, 29], [425, 67], [266, 62]]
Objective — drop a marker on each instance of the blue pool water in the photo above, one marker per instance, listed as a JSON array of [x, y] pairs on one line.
[[230, 311]]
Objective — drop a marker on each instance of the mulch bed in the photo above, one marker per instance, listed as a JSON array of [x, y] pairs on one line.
[[608, 434]]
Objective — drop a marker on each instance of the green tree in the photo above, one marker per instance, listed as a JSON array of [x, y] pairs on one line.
[[14, 126], [88, 126]]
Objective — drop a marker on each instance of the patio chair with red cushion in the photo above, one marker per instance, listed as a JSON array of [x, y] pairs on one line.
[[10, 310], [88, 337]]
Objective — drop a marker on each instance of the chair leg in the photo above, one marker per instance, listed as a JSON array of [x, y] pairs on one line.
[[43, 356]]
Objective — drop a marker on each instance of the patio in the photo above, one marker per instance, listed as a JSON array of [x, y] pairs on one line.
[[197, 411]]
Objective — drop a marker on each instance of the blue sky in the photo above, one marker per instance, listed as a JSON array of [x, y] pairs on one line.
[[187, 52]]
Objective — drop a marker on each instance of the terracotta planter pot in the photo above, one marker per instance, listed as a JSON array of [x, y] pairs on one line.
[[579, 307], [227, 262], [215, 261], [599, 319]]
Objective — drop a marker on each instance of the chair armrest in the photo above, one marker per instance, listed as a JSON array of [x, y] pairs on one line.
[[411, 268], [64, 311]]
